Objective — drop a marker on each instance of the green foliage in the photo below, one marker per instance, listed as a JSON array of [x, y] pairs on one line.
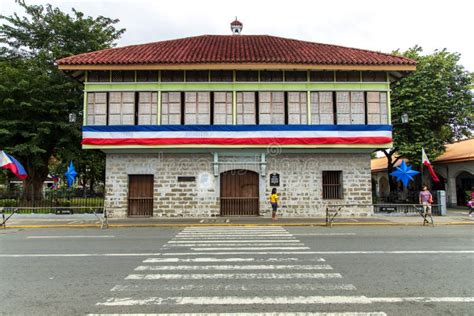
[[35, 97], [437, 99]]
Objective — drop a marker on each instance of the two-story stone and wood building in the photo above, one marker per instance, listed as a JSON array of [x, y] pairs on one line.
[[207, 125]]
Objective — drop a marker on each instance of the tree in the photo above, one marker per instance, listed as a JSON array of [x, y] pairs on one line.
[[437, 100], [35, 97]]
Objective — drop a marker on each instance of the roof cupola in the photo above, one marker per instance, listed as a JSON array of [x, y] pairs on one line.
[[236, 27]]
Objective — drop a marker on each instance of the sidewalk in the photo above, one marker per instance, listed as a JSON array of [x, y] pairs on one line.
[[89, 220]]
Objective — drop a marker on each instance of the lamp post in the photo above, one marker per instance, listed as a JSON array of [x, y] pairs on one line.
[[404, 121], [72, 118], [404, 118]]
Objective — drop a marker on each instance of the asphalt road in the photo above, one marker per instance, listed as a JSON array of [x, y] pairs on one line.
[[238, 271]]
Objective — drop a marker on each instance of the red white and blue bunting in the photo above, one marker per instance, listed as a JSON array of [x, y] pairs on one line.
[[237, 135]]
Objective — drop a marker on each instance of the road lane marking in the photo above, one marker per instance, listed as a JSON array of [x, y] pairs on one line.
[[258, 314], [65, 237], [234, 267], [232, 287], [234, 276], [278, 300], [80, 255], [247, 248], [167, 260], [375, 252]]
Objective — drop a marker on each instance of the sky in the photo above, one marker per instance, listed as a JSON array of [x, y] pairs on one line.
[[369, 24]]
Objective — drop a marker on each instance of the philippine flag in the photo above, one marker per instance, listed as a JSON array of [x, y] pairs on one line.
[[8, 162], [427, 163]]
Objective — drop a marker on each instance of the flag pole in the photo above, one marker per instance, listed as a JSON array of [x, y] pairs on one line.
[[421, 167]]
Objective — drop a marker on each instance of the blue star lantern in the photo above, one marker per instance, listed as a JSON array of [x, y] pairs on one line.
[[70, 174], [404, 173]]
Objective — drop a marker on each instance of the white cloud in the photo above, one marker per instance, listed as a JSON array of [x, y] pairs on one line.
[[376, 25]]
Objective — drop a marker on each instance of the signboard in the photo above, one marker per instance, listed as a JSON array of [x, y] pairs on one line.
[[275, 179]]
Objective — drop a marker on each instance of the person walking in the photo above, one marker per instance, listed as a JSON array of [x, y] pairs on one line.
[[274, 203], [426, 199]]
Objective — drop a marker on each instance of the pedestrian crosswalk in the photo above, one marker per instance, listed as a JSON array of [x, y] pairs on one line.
[[233, 271]]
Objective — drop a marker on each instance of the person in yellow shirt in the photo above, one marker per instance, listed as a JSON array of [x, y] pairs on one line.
[[274, 202]]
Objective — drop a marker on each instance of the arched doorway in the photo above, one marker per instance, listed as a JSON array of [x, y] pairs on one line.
[[239, 193], [464, 184]]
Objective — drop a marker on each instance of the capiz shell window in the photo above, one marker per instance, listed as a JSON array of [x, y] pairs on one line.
[[377, 112], [121, 108], [147, 108], [246, 108], [97, 108], [223, 108], [297, 108], [350, 107], [197, 108], [322, 109], [171, 108], [271, 108]]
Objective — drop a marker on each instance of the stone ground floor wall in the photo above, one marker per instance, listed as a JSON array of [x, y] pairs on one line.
[[300, 187]]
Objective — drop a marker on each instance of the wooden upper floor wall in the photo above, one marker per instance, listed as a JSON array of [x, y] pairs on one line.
[[164, 76]]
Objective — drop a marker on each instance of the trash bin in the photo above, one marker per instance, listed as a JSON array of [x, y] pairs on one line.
[[441, 202]]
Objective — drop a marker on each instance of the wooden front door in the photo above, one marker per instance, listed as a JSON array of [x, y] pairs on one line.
[[239, 193], [140, 195]]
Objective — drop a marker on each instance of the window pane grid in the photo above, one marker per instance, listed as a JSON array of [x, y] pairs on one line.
[[350, 107], [377, 108], [223, 108], [147, 108], [297, 108], [197, 108], [246, 113], [322, 110], [271, 108], [121, 108], [97, 108], [171, 108]]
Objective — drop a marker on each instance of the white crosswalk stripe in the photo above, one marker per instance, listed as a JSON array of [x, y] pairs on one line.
[[234, 276], [260, 314], [203, 259], [237, 241], [154, 287], [230, 262], [234, 267]]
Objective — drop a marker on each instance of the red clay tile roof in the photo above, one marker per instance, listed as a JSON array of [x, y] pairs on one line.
[[215, 49]]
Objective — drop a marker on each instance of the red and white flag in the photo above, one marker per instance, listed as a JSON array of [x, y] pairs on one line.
[[426, 162]]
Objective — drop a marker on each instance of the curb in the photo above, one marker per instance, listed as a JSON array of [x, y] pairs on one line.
[[233, 225]]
